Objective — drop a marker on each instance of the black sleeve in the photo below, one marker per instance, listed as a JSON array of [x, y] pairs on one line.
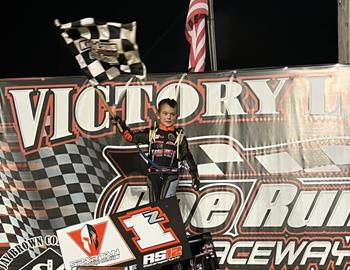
[[185, 154], [140, 136]]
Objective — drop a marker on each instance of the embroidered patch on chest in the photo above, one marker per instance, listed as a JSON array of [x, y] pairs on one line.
[[171, 137]]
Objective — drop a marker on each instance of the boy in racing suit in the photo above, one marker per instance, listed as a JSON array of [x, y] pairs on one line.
[[167, 146]]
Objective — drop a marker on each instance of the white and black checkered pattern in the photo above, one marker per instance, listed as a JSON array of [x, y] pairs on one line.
[[103, 50], [222, 157], [51, 189]]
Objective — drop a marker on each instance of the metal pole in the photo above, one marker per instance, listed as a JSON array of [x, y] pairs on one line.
[[211, 36], [343, 31]]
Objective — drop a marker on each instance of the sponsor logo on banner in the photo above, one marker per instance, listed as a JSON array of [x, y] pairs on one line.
[[162, 256], [144, 224], [48, 260], [97, 242], [20, 256], [89, 238], [140, 238], [155, 232]]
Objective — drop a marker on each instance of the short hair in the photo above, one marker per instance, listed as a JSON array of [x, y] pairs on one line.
[[171, 102]]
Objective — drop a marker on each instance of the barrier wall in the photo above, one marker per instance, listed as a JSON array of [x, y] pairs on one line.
[[272, 147]]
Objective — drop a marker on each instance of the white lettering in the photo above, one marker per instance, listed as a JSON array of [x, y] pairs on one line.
[[217, 104], [267, 98]]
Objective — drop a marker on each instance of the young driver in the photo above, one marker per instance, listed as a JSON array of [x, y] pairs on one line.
[[168, 147]]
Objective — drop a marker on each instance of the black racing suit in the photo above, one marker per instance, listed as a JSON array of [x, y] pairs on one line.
[[164, 156]]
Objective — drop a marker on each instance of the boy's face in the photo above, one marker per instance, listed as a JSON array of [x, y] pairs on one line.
[[167, 115]]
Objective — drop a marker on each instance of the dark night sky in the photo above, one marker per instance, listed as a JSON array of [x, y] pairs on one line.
[[249, 34]]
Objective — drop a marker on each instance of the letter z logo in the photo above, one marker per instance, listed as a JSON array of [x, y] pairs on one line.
[[147, 225]]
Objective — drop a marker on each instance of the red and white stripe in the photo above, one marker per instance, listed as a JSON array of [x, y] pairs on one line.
[[195, 34]]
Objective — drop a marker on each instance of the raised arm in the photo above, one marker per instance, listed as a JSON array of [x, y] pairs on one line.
[[129, 135]]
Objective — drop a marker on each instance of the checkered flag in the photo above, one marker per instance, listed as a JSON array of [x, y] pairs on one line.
[[104, 50]]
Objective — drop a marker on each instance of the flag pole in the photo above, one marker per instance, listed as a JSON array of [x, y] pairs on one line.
[[343, 31], [108, 109], [211, 36]]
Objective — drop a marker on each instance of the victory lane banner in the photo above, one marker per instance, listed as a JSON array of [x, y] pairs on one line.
[[272, 148], [141, 238]]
